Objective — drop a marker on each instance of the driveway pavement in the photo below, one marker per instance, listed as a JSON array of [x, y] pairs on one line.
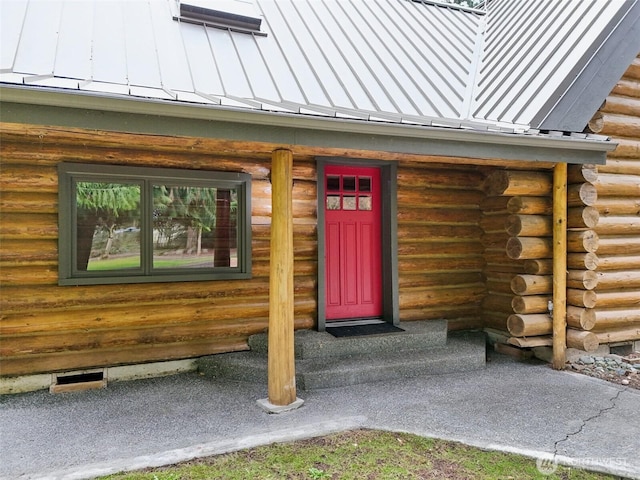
[[508, 406]]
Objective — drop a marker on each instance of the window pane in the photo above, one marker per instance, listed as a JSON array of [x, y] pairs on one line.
[[120, 224], [108, 220], [364, 184], [333, 183], [194, 227], [364, 203], [333, 202], [349, 183], [348, 203]]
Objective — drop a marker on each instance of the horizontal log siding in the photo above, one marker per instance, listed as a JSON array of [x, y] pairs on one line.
[[617, 301], [45, 327], [439, 243], [603, 241]]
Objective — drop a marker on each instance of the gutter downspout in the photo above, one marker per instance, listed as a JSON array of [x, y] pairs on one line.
[[559, 265]]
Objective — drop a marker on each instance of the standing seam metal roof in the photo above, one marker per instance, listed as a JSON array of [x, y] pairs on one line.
[[531, 48], [399, 61]]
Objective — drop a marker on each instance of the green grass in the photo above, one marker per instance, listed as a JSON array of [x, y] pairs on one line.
[[114, 263], [123, 263], [361, 454]]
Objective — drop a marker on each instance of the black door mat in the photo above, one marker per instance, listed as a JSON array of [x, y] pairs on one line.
[[366, 329]]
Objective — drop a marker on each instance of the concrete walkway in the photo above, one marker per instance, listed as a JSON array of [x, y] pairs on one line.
[[509, 406]]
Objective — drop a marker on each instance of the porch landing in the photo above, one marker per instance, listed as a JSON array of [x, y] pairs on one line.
[[324, 361]]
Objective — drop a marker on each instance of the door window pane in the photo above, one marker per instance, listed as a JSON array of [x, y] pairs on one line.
[[364, 203], [349, 183], [333, 202], [364, 184], [333, 183], [349, 202]]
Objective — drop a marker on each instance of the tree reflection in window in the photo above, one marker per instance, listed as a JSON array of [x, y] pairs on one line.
[[108, 219], [131, 224], [193, 227]]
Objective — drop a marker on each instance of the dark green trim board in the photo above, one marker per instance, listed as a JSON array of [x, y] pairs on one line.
[[322, 249], [390, 282], [81, 110]]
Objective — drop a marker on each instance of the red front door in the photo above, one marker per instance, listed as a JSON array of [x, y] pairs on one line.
[[353, 242]]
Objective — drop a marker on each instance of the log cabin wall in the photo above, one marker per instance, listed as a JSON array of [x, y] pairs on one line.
[[518, 235], [603, 244], [473, 248], [606, 280], [499, 268], [440, 258], [45, 327], [517, 225]]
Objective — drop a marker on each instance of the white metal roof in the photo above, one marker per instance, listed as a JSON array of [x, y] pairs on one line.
[[398, 61], [534, 47]]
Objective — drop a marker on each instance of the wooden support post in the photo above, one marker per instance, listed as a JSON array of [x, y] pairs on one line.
[[559, 265], [281, 362]]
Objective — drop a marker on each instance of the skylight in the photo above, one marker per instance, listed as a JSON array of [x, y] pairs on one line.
[[239, 14]]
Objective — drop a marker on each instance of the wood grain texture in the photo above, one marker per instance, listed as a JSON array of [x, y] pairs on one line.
[[45, 327]]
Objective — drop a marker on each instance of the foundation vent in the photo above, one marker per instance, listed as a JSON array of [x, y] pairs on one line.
[[76, 381]]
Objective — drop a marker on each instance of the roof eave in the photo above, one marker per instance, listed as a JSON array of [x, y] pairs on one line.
[[309, 130]]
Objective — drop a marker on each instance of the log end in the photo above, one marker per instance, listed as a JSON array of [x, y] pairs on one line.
[[587, 341], [590, 241], [513, 225], [596, 124], [531, 284], [515, 325], [588, 194], [514, 248], [518, 285], [496, 183], [590, 279], [588, 319], [591, 261], [590, 299], [590, 216], [514, 205]]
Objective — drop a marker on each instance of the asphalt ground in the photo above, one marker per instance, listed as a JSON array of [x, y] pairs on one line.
[[509, 406]]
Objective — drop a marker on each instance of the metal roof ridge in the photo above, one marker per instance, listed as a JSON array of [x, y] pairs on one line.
[[474, 70]]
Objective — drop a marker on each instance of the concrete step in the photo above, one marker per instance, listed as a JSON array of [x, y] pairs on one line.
[[462, 352], [313, 344], [457, 356]]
